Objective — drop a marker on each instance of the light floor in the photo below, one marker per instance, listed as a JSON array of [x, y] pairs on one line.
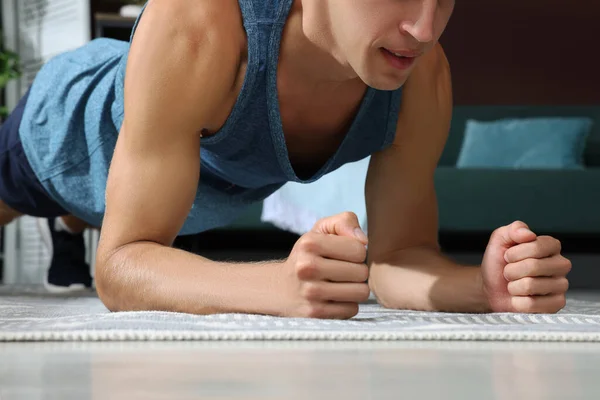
[[299, 370]]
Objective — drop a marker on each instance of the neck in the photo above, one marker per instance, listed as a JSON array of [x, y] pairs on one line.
[[310, 51]]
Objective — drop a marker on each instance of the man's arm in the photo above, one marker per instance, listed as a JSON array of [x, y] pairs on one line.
[[407, 267], [182, 68]]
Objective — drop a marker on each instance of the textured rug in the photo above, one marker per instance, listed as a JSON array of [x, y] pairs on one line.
[[28, 314]]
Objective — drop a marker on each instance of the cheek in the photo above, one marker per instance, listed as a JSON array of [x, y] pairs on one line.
[[359, 39], [365, 23]]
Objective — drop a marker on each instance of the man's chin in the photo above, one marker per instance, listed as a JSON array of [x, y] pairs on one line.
[[385, 83]]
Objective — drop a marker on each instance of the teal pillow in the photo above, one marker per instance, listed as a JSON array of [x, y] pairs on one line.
[[528, 143]]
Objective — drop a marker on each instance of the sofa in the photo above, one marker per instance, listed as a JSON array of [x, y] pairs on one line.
[[552, 201]]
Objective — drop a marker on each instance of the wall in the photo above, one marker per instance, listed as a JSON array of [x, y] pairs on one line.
[[524, 51]]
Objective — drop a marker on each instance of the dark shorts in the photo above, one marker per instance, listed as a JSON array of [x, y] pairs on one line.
[[20, 189]]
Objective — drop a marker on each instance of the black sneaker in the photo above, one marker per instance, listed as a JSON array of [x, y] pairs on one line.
[[68, 270]]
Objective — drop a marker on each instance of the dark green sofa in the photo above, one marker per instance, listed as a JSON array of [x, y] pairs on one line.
[[550, 201]]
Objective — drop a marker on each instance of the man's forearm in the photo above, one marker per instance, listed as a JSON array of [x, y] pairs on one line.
[[423, 279], [148, 276]]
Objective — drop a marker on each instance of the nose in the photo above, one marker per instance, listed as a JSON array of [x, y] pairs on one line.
[[421, 26]]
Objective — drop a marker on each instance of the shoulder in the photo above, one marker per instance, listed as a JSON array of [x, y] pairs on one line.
[[184, 61], [193, 16], [435, 62], [192, 26], [431, 79], [426, 108], [427, 94]]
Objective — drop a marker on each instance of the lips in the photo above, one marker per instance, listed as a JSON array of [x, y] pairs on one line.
[[405, 53], [400, 59]]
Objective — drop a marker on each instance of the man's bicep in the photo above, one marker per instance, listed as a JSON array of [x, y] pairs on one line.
[[149, 194], [400, 191], [173, 85]]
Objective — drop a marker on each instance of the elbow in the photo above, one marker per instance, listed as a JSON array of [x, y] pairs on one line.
[[377, 286], [108, 283], [379, 275]]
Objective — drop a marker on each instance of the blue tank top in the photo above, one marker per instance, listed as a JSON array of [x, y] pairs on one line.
[[75, 110]]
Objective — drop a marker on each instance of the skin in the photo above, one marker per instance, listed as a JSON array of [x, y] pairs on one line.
[[331, 51], [353, 34]]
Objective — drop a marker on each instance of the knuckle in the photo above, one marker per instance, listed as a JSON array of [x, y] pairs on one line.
[[517, 225], [568, 265], [512, 289], [560, 303], [557, 245], [549, 244], [359, 251], [529, 305], [509, 254], [308, 243], [311, 291], [321, 223], [498, 232], [532, 265], [510, 272], [529, 285], [307, 268], [322, 220], [564, 285], [348, 216], [524, 304]]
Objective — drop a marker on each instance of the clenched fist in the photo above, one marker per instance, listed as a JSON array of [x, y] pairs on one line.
[[325, 275], [523, 272]]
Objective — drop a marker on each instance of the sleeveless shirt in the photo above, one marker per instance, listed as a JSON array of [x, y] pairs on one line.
[[76, 108]]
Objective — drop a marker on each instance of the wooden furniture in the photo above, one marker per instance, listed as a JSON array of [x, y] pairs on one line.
[[113, 26]]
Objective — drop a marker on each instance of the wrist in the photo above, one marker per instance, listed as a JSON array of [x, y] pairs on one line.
[[424, 279], [484, 301], [245, 288], [461, 289], [268, 287], [273, 291]]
